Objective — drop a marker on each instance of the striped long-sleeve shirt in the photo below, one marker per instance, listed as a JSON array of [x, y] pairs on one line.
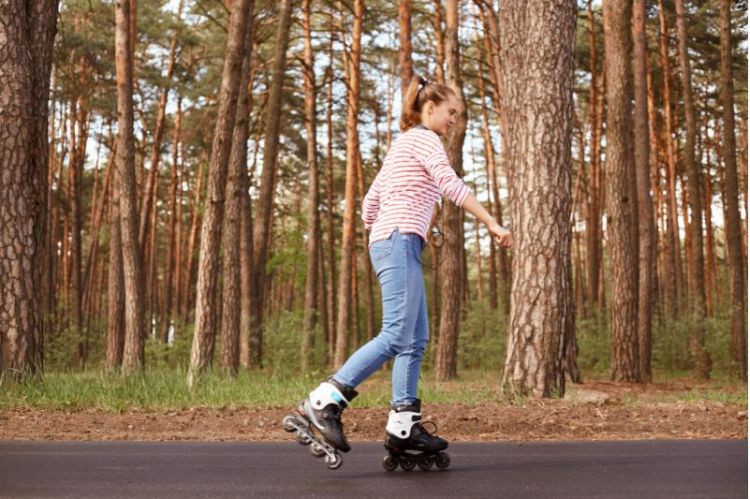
[[403, 195]]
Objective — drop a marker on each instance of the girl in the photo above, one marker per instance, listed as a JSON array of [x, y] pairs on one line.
[[397, 211]]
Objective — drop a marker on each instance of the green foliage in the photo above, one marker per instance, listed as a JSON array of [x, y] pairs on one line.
[[593, 340], [481, 340]]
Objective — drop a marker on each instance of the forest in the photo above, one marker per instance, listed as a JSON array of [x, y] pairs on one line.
[[182, 186]]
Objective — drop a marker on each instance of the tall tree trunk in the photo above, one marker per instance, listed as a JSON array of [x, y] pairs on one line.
[[173, 270], [236, 189], [28, 31], [352, 155], [208, 263], [536, 127], [697, 286], [642, 178], [330, 207], [115, 287], [262, 229], [451, 281], [133, 272], [594, 208], [737, 286], [313, 221], [621, 227], [673, 270]]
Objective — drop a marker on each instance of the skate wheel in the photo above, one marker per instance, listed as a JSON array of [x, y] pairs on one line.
[[317, 450], [303, 439], [408, 462], [334, 461], [443, 460], [390, 462], [288, 423], [425, 462]]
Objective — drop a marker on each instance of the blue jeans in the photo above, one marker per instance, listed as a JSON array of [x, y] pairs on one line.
[[398, 264]]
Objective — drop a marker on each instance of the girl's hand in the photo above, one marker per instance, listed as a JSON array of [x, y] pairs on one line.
[[502, 236]]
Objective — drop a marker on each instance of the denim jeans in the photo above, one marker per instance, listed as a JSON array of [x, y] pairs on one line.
[[404, 333]]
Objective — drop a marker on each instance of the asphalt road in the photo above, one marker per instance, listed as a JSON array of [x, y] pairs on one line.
[[643, 469]]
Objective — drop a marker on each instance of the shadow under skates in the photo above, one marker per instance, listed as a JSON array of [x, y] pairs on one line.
[[317, 422], [409, 444]]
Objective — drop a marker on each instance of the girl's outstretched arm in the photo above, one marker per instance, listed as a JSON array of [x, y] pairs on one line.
[[503, 236]]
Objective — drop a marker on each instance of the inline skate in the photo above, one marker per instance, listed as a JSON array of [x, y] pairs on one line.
[[317, 422], [409, 444]]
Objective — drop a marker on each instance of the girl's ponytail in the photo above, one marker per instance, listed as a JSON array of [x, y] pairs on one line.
[[419, 92]]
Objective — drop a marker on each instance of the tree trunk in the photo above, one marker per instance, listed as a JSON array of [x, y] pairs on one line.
[[697, 286], [536, 127], [236, 189], [352, 155], [173, 269], [621, 226], [642, 178], [594, 236], [208, 263], [262, 229], [404, 49], [737, 286], [451, 281], [313, 221], [673, 270], [133, 272], [116, 287], [28, 31]]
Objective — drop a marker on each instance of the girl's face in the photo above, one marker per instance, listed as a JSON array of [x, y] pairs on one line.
[[440, 117]]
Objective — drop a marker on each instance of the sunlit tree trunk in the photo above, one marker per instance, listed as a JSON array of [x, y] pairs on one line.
[[132, 264], [536, 127], [352, 154], [208, 264], [737, 281]]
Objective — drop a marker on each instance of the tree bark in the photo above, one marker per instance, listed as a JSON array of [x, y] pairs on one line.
[[313, 221], [536, 127], [28, 31], [673, 270], [737, 286], [352, 155], [268, 180], [451, 282], [621, 225], [133, 272], [697, 286], [236, 189], [642, 178], [208, 263], [406, 68]]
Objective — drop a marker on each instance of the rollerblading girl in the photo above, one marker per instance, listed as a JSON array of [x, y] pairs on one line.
[[397, 211]]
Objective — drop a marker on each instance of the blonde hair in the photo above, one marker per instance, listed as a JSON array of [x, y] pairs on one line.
[[420, 92]]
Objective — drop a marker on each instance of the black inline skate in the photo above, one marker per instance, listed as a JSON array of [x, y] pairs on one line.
[[317, 422], [409, 444]]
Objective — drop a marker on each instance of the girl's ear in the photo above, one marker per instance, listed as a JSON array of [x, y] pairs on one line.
[[430, 106]]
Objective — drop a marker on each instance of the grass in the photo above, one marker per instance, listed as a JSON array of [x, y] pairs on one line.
[[167, 389]]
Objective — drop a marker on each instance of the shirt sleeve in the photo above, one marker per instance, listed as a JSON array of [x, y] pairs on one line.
[[371, 203], [438, 166]]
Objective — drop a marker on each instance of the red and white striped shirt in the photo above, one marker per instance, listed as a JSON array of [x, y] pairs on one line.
[[403, 195]]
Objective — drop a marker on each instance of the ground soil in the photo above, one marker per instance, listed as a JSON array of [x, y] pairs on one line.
[[593, 411]]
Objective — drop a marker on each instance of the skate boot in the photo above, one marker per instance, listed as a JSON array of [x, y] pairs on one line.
[[409, 444], [317, 421]]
